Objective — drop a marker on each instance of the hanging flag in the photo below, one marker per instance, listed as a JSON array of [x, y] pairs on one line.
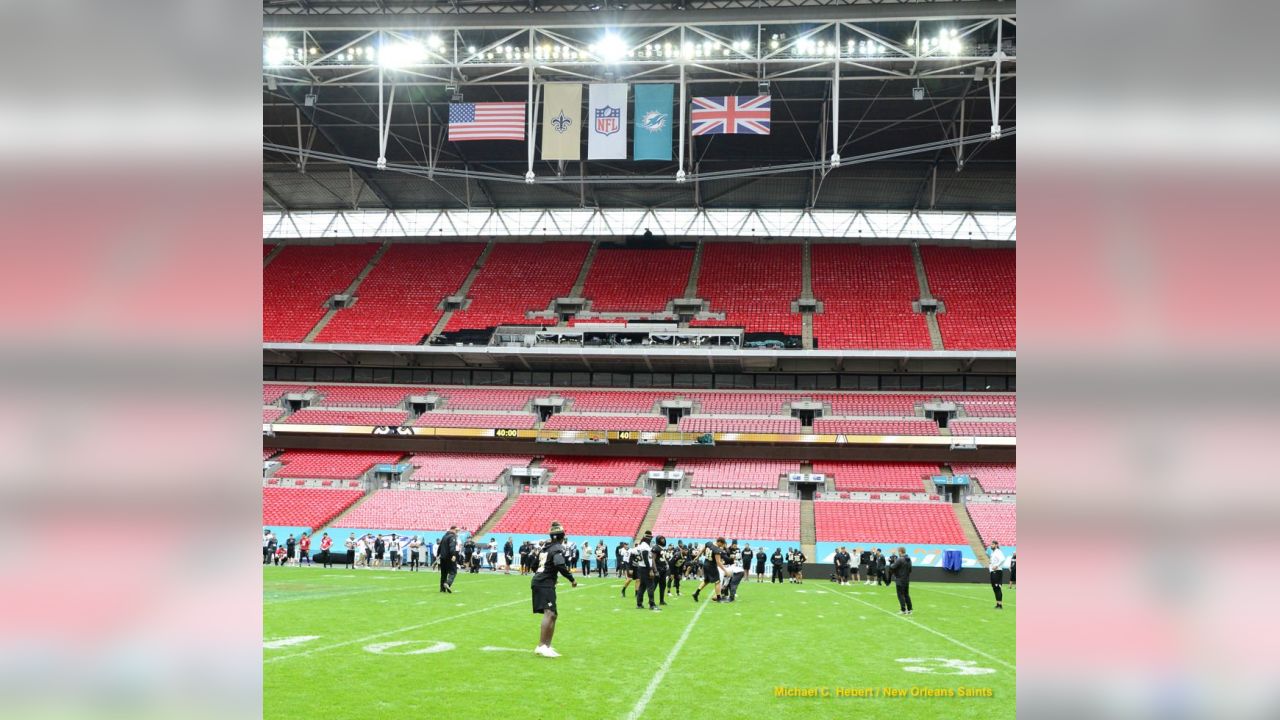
[[607, 122], [732, 115], [652, 133], [562, 121], [486, 121]]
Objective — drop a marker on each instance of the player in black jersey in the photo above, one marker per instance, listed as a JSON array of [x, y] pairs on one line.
[[551, 563], [712, 568], [678, 559], [661, 567]]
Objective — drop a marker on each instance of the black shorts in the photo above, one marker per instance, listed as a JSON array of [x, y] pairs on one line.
[[711, 574], [544, 598]]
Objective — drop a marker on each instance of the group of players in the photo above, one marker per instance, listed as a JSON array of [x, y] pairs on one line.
[[870, 570]]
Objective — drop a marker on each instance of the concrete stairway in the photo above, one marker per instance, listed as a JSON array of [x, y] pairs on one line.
[[489, 524], [931, 320], [279, 248], [691, 287], [650, 517], [337, 522], [466, 286], [351, 290], [808, 533], [581, 282], [970, 532], [928, 485]]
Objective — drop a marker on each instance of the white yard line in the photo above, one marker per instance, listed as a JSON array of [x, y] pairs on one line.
[[948, 638], [983, 600], [408, 628], [638, 710]]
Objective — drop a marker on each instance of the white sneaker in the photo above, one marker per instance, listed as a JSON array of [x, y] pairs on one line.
[[546, 651]]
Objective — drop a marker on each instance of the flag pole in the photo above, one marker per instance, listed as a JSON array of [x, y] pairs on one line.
[[532, 110], [680, 163], [835, 104]]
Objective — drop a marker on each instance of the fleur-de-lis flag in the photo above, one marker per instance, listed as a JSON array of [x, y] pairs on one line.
[[562, 121]]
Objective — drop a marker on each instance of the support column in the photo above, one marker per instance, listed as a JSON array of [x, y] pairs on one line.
[[835, 105], [683, 106], [532, 114]]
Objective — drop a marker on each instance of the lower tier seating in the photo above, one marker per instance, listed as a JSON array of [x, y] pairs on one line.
[[424, 510], [304, 507], [581, 515], [993, 478], [324, 416], [696, 518], [887, 522], [706, 424], [838, 426], [995, 521], [331, 463], [516, 421], [737, 474], [608, 472], [877, 476], [640, 423], [271, 414], [463, 467], [984, 429]]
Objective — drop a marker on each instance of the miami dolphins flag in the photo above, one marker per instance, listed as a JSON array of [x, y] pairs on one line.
[[607, 122], [562, 121], [652, 134]]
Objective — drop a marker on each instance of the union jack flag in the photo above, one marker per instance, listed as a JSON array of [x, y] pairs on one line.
[[731, 115]]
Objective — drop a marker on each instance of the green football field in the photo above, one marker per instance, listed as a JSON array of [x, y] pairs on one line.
[[380, 644]]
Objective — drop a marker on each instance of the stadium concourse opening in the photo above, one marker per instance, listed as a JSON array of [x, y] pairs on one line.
[[705, 310]]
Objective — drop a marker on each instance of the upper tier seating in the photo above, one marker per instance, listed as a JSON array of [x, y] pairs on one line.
[[753, 285], [608, 472], [995, 521], [877, 476], [366, 396], [978, 287], [636, 280], [272, 392], [894, 404], [300, 279], [983, 429], [331, 463], [641, 423], [492, 421], [737, 474], [706, 424], [517, 278], [709, 518], [457, 398], [995, 479], [423, 510], [741, 403], [866, 294], [463, 467], [304, 507], [904, 426], [634, 401], [581, 515], [398, 302], [269, 414], [887, 522], [324, 416], [987, 405]]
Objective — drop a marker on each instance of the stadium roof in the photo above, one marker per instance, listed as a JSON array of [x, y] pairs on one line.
[[897, 153]]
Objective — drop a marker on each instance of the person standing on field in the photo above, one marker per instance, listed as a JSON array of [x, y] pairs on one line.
[[550, 565], [996, 568], [900, 571]]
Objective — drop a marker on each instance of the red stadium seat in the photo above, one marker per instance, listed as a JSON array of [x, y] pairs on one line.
[[304, 507], [581, 516], [898, 522]]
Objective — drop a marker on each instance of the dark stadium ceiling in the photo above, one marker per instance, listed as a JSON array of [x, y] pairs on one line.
[[898, 153]]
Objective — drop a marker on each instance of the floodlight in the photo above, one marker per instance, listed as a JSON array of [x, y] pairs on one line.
[[277, 50], [401, 54]]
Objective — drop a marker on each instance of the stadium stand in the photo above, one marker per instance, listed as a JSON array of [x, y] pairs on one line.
[[571, 421], [272, 392], [517, 278], [457, 398], [876, 476], [994, 479], [894, 404], [304, 507], [623, 280], [300, 279], [516, 421], [615, 400], [423, 510], [836, 426], [984, 429], [331, 463], [365, 396], [269, 414], [325, 416], [754, 519], [898, 522], [398, 303], [866, 294], [986, 405], [753, 285], [581, 515], [740, 403], [705, 424], [978, 288], [736, 474], [463, 467], [994, 521], [607, 472]]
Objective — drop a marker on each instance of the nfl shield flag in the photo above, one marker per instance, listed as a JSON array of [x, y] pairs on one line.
[[607, 122], [652, 130]]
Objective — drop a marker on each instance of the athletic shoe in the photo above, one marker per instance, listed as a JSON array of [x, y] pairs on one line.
[[695, 596], [664, 602], [546, 651], [908, 612], [624, 592], [655, 608], [999, 606]]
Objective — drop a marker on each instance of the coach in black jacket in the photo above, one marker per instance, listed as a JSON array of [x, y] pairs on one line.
[[900, 571], [448, 559]]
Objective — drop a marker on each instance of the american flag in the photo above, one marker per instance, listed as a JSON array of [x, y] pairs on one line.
[[486, 121], [732, 115]]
